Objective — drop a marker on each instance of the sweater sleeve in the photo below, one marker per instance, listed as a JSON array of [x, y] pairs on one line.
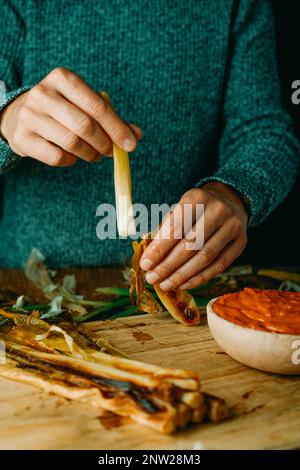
[[258, 153], [12, 37]]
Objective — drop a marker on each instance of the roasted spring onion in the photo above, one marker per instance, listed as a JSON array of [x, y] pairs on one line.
[[62, 360], [123, 195], [179, 303]]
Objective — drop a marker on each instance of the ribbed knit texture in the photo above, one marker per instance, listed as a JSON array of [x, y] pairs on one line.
[[198, 76]]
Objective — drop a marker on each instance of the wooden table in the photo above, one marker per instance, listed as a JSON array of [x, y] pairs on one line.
[[265, 408]]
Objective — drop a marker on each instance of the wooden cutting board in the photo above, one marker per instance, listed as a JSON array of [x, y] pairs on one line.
[[265, 409]]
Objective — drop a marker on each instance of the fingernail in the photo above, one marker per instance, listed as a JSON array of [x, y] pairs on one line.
[[166, 285], [140, 132], [146, 264], [129, 144], [152, 277]]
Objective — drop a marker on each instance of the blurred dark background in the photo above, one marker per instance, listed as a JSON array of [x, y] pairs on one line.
[[277, 241]]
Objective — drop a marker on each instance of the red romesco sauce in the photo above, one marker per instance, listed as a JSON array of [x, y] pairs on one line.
[[267, 310]]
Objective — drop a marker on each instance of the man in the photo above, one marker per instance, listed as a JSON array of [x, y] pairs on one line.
[[200, 79]]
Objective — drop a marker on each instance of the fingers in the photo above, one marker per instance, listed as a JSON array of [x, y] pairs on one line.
[[83, 123], [169, 259], [54, 132], [171, 231], [175, 258], [180, 266], [76, 91], [222, 262], [165, 239], [69, 116], [46, 152]]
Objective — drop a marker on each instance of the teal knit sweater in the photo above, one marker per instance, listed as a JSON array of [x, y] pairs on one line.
[[199, 77]]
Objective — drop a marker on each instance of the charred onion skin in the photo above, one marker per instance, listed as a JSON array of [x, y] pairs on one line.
[[178, 302], [144, 299], [59, 359]]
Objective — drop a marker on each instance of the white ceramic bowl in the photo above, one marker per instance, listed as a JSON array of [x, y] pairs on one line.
[[270, 352]]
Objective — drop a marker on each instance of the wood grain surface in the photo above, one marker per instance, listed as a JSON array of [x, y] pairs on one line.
[[265, 409]]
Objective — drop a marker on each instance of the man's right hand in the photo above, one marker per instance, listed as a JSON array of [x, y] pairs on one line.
[[62, 119]]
